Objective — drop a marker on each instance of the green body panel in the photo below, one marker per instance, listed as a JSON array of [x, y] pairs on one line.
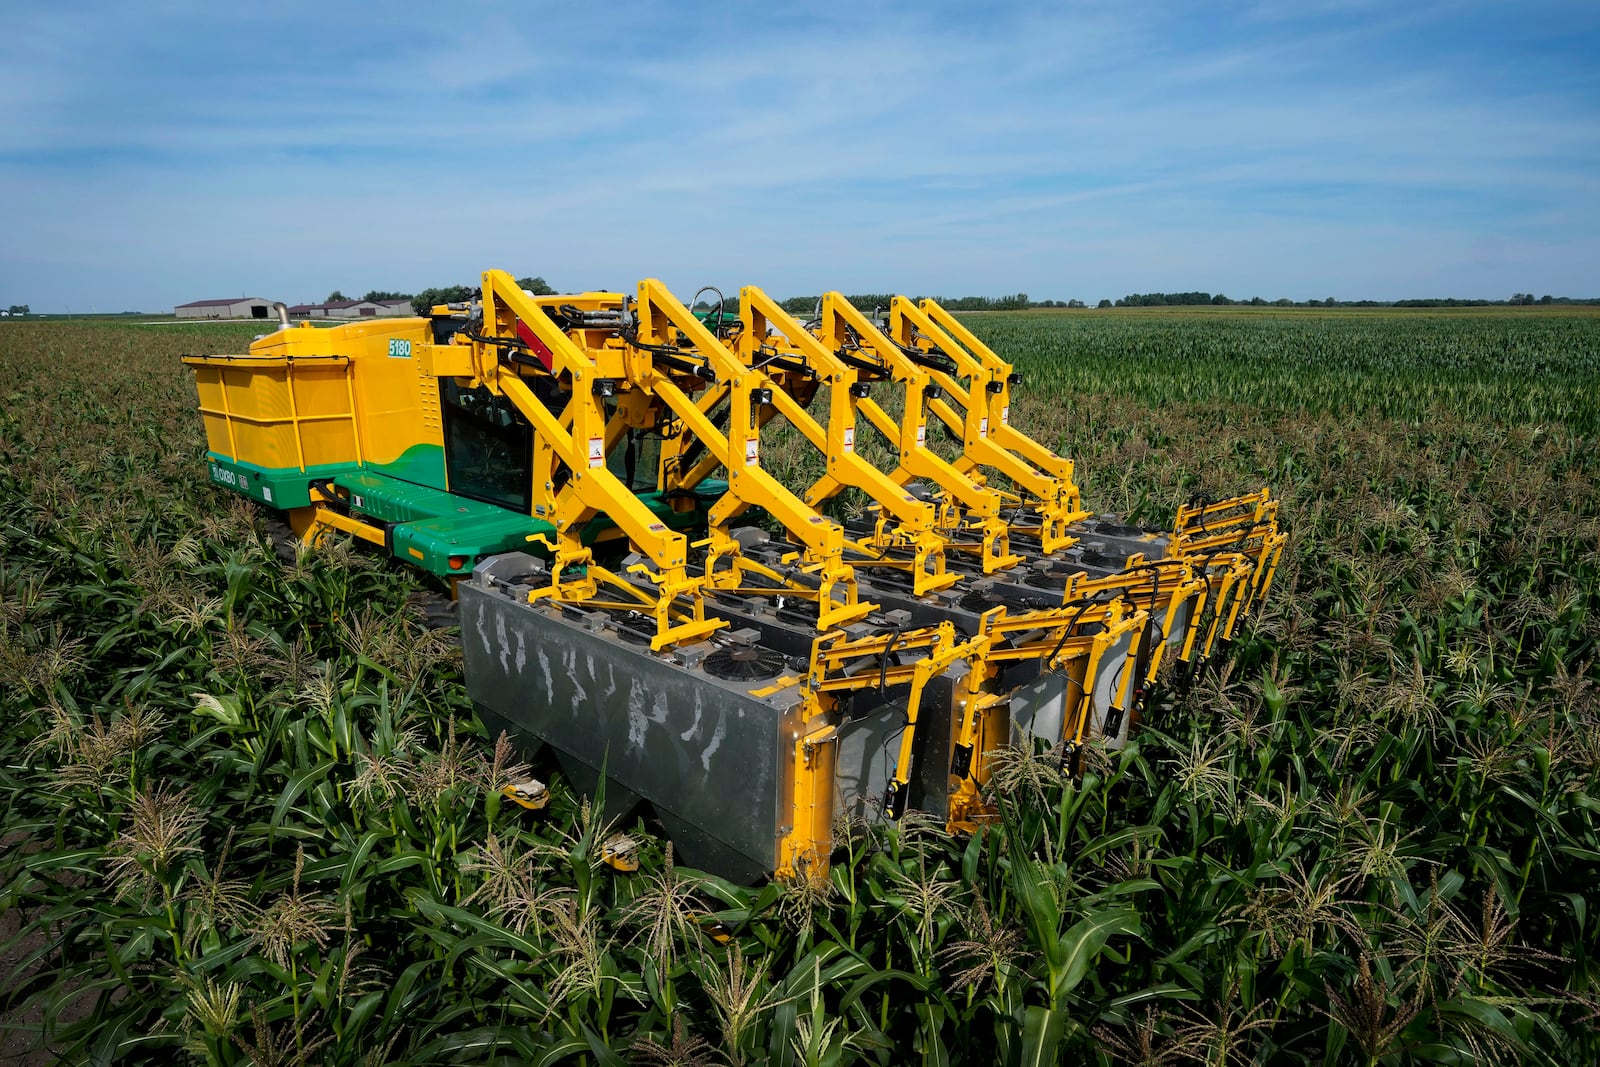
[[282, 487], [420, 464], [393, 500], [427, 527], [432, 543]]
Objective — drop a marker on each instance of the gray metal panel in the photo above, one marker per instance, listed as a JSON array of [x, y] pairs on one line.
[[869, 744], [699, 749], [1107, 680], [1180, 623], [1038, 707]]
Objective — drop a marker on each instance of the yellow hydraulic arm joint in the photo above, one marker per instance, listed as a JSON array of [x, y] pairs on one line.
[[1163, 588], [997, 394], [1074, 639], [577, 439], [841, 664], [1050, 490], [836, 662]]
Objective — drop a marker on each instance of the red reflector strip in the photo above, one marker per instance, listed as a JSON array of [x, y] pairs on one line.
[[539, 348]]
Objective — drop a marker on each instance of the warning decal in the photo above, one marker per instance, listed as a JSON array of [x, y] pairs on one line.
[[922, 434], [849, 438], [597, 451], [752, 452], [983, 427]]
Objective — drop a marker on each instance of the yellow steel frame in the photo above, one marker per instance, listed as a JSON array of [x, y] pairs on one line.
[[662, 320], [841, 326], [916, 520], [981, 380], [577, 439], [1057, 638]]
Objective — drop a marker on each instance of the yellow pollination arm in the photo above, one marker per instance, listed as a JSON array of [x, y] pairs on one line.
[[769, 333], [577, 438], [663, 322], [980, 382], [842, 326]]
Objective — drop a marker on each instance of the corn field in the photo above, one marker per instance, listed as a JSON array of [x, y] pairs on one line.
[[251, 817]]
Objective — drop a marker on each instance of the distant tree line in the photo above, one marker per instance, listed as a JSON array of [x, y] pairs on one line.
[[1165, 299], [868, 302], [805, 305], [424, 301], [374, 295]]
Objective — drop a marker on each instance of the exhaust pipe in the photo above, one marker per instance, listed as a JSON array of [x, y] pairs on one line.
[[283, 314]]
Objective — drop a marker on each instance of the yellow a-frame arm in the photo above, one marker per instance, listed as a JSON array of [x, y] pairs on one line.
[[661, 319], [841, 320], [986, 438], [1075, 638], [844, 466], [997, 395], [577, 438]]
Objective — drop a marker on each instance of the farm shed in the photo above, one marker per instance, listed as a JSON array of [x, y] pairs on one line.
[[352, 309], [236, 307]]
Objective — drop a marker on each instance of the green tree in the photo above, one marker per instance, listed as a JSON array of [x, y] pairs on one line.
[[335, 296], [376, 295], [536, 286], [1103, 303], [18, 309], [424, 301]]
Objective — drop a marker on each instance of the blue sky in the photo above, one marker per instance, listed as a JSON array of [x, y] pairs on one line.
[[153, 154]]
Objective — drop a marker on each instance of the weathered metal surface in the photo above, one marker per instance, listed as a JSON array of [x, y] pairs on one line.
[[710, 757], [869, 742], [1038, 707]]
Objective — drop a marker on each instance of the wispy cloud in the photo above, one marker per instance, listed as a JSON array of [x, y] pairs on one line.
[[1301, 149]]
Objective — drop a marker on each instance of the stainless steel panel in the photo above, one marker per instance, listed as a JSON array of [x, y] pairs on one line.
[[869, 745], [1114, 665], [707, 754], [1038, 707]]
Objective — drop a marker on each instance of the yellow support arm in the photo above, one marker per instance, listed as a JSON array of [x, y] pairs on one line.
[[997, 396], [983, 445], [593, 488], [845, 467], [840, 321], [577, 438], [661, 320]]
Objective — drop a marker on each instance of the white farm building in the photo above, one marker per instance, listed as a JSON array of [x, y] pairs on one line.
[[235, 307], [351, 309]]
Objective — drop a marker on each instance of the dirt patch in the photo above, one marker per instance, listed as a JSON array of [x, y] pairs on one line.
[[22, 1026]]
